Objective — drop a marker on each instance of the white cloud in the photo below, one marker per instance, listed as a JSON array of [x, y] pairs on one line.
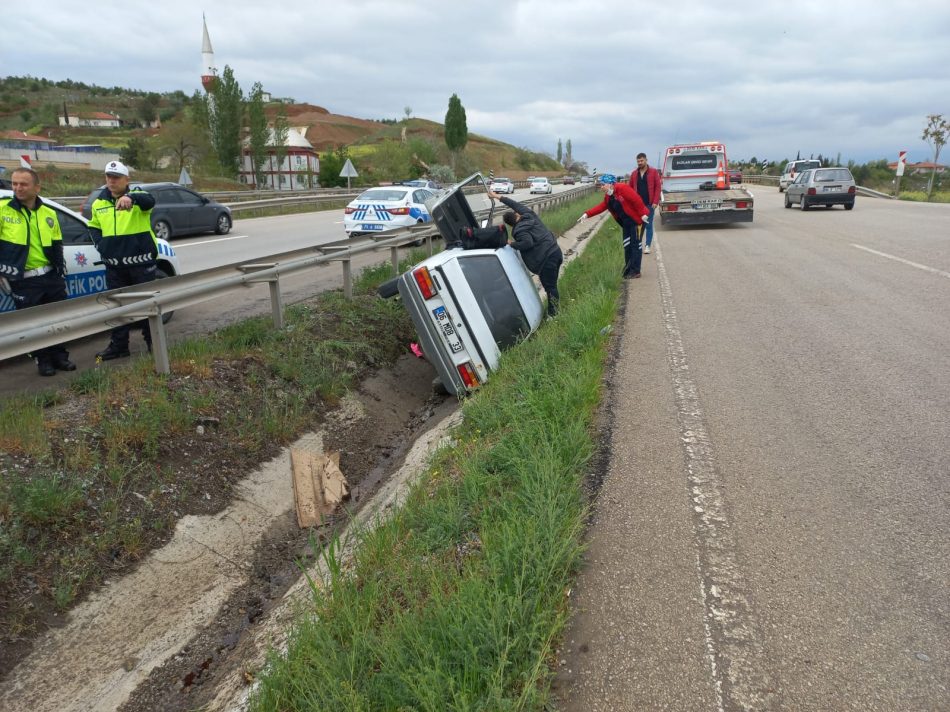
[[768, 78]]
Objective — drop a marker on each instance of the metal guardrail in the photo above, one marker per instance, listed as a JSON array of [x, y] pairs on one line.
[[30, 329]]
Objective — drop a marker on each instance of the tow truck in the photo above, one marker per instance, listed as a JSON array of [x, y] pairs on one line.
[[697, 190]]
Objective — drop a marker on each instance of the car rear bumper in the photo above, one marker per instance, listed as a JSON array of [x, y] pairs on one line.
[[831, 199], [712, 217]]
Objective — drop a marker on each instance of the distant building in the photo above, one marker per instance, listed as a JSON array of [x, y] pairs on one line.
[[18, 139], [298, 171], [917, 168], [95, 119]]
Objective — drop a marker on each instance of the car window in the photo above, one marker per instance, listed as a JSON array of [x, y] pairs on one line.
[[803, 177], [419, 196], [74, 231], [165, 196], [189, 198], [382, 194], [830, 175], [496, 298]]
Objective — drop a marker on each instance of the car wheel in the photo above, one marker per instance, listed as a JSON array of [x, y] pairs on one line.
[[849, 206], [788, 201], [389, 288], [162, 230], [780, 188], [224, 224], [804, 203], [160, 273]]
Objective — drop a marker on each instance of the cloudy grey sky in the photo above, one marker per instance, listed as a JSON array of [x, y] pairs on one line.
[[770, 79]]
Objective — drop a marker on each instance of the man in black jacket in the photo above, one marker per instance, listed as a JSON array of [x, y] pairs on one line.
[[537, 245]]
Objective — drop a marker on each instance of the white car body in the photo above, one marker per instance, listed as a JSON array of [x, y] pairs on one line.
[[540, 185], [468, 305], [502, 185], [387, 208], [85, 274]]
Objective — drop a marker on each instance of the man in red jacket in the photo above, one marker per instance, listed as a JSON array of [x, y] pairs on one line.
[[628, 210], [647, 182]]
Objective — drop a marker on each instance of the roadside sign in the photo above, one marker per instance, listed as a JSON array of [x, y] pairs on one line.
[[348, 172], [183, 177], [901, 162]]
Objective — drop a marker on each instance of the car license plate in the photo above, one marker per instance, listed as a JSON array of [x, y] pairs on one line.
[[370, 226], [831, 189], [448, 331], [706, 204]]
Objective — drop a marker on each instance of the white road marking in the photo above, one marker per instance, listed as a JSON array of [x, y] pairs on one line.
[[925, 268], [208, 242], [736, 657]]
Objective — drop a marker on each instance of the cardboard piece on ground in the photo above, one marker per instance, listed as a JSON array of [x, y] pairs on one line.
[[319, 485]]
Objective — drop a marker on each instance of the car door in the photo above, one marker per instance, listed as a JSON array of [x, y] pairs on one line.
[[797, 187], [203, 214], [85, 273]]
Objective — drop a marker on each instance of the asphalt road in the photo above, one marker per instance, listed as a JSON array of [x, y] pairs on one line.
[[774, 530]]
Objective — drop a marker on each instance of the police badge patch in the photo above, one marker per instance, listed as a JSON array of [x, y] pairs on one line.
[[50, 221]]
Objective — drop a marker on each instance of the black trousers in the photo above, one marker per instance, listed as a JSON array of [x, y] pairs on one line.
[[548, 275], [33, 291], [126, 277], [632, 252]]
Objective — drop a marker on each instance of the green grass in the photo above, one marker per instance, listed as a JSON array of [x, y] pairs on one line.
[[456, 602], [920, 196], [85, 490]]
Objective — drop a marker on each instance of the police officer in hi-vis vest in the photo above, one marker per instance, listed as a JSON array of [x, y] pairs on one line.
[[32, 268], [122, 232]]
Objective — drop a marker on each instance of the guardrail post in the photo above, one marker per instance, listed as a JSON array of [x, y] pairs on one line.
[[159, 342], [394, 258], [276, 298]]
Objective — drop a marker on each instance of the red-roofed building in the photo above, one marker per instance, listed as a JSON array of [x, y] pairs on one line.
[[18, 139], [917, 168]]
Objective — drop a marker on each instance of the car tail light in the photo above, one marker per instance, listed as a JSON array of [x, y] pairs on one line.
[[398, 211], [424, 281], [852, 190], [670, 208], [741, 205], [349, 210], [468, 374], [812, 191]]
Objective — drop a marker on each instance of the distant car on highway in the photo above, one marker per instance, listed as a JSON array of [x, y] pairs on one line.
[[387, 208], [540, 185], [822, 186], [502, 185], [85, 272], [567, 180], [792, 169], [735, 175], [178, 210], [587, 179]]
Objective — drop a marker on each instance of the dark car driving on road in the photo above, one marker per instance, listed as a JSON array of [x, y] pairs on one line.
[[178, 211]]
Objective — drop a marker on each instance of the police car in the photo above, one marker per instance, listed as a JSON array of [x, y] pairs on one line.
[[387, 208], [85, 272]]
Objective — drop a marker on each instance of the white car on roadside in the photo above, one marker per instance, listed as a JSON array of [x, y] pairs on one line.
[[85, 273]]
